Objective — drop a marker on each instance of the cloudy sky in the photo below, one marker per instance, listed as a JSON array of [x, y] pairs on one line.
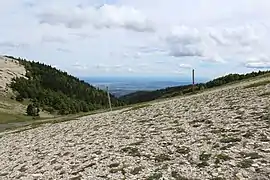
[[139, 37]]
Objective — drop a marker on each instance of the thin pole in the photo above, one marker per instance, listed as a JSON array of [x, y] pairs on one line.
[[109, 98], [193, 79]]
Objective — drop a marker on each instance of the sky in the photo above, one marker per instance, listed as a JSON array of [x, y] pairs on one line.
[[139, 37]]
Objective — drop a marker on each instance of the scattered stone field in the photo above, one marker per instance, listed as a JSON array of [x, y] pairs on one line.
[[215, 135]]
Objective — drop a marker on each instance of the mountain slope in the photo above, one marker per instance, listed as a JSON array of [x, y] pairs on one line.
[[54, 90], [217, 134], [9, 69], [144, 96]]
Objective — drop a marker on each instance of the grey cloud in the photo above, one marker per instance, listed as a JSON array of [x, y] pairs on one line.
[[84, 35], [184, 42], [184, 51], [160, 62], [53, 39], [129, 25], [30, 4], [69, 21], [260, 62], [7, 44], [64, 50], [148, 49], [240, 36], [213, 44], [258, 65]]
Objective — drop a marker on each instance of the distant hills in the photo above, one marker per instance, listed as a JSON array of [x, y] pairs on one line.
[[58, 92], [120, 86]]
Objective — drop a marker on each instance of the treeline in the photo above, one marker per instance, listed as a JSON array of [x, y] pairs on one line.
[[144, 96], [56, 91]]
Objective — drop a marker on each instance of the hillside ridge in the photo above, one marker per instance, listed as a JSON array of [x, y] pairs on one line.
[[56, 91]]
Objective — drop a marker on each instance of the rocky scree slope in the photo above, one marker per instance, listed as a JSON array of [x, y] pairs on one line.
[[221, 134], [9, 69]]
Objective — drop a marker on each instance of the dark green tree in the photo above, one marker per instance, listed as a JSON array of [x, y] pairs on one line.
[[32, 110]]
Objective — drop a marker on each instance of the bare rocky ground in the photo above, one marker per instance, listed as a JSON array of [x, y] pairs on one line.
[[220, 134], [9, 69]]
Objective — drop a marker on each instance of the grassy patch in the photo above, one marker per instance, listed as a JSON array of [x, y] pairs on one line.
[[202, 164], [162, 158], [177, 176], [132, 151], [257, 84], [136, 170], [139, 106], [12, 118], [265, 94], [114, 165], [218, 178], [34, 123], [221, 157], [246, 163], [136, 143], [155, 176], [248, 134], [230, 139], [204, 156], [183, 150], [251, 155]]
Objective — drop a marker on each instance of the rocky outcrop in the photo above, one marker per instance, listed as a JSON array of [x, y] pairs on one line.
[[221, 134], [9, 69]]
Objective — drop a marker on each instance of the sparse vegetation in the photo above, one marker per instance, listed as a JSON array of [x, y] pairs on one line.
[[114, 165], [204, 156], [246, 163], [132, 151], [140, 106], [248, 134], [177, 176], [260, 83], [251, 155], [183, 150], [202, 164], [136, 170], [155, 176], [265, 94], [221, 157], [11, 118], [162, 158], [230, 139]]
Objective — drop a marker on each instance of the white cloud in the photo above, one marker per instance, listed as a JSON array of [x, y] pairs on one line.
[[107, 16], [79, 66], [185, 66], [258, 65], [131, 70], [258, 62]]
